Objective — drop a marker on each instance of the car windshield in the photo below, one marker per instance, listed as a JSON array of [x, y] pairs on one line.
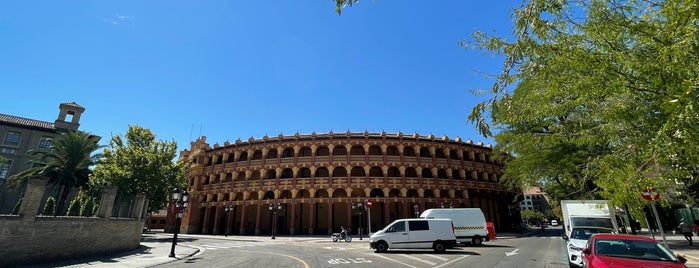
[[585, 233], [633, 249], [600, 222]]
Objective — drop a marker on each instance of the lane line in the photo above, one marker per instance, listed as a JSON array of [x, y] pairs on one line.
[[305, 265], [418, 259]]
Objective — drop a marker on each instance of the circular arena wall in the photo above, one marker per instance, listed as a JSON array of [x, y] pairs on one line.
[[315, 183]]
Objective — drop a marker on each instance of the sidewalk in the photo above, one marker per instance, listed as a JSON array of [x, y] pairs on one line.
[[154, 250], [679, 245]]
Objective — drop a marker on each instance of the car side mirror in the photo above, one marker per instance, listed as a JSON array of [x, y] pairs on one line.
[[586, 251], [681, 258], [564, 236]]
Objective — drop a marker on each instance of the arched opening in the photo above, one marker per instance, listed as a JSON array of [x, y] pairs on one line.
[[357, 172], [243, 156], [340, 150], [357, 192], [429, 194], [453, 154], [392, 151], [286, 194], [427, 173], [374, 150], [410, 172], [375, 172], [439, 153], [424, 152], [455, 175], [257, 155], [323, 151], [288, 152], [394, 193], [442, 174], [268, 195], [255, 175], [393, 172], [339, 172], [322, 172], [412, 193], [304, 173], [271, 174], [305, 152], [339, 193], [408, 151], [287, 173], [241, 176], [357, 150], [272, 154], [376, 193]]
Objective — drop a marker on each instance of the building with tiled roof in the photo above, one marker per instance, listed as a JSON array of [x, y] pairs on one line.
[[18, 135]]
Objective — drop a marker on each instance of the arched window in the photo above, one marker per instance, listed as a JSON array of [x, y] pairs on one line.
[[304, 173], [357, 150], [427, 173], [255, 175], [340, 150], [256, 155], [288, 152], [230, 158], [442, 174], [339, 172], [241, 176], [243, 156], [219, 160], [305, 151], [408, 151], [322, 172], [272, 154], [455, 175], [271, 174], [374, 150], [453, 154], [410, 172], [287, 173], [440, 153], [393, 172], [375, 172], [392, 151], [357, 172], [424, 152], [323, 151], [268, 195]]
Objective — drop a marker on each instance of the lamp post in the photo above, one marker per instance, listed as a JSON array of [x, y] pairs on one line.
[[273, 212], [180, 199], [227, 210], [359, 207]]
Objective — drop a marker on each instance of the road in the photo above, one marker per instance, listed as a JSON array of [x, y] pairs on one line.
[[536, 250]]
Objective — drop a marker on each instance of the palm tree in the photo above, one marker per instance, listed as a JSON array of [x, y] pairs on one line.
[[66, 163]]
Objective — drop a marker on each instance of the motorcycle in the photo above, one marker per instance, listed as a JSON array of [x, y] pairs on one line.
[[341, 236]]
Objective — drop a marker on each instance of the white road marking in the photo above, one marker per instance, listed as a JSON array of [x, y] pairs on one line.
[[510, 253], [418, 259], [437, 257], [450, 262], [405, 264]]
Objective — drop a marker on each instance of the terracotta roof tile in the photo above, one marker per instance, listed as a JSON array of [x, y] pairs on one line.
[[26, 122]]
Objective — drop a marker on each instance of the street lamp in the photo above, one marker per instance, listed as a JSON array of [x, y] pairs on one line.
[[272, 213], [180, 199], [227, 210], [359, 207]]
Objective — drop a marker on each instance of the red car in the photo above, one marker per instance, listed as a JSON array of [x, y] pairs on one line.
[[621, 250]]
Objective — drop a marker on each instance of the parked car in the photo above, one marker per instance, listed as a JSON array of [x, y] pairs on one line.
[[622, 250], [437, 234], [554, 223], [577, 240]]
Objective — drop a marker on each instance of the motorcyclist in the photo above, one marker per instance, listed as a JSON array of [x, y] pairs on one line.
[[343, 233]]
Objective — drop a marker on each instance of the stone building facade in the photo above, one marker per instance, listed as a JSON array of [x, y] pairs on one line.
[[19, 135], [312, 183]]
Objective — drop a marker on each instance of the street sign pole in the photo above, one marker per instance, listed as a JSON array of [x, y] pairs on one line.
[[368, 214], [657, 220]]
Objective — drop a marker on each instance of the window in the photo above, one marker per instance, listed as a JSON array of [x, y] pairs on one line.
[[418, 225], [398, 227], [45, 142], [8, 151], [5, 169], [12, 138]]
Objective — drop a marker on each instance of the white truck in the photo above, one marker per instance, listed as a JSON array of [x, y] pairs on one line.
[[590, 213]]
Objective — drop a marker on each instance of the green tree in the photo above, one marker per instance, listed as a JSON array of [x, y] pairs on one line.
[[67, 164], [531, 216], [138, 163], [340, 4], [597, 98]]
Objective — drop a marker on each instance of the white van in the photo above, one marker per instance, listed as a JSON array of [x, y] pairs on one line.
[[469, 223], [437, 234]]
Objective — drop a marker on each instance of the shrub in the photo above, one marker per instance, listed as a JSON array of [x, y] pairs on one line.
[[50, 206]]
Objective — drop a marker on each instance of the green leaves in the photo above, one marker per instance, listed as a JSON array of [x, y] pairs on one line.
[[141, 164], [597, 98]]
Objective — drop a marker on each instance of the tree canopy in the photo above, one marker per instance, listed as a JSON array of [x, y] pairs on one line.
[[138, 163], [597, 98]]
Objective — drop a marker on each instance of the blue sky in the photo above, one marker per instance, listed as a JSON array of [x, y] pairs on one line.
[[240, 69]]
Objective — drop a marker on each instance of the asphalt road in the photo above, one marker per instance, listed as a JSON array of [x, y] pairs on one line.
[[538, 250]]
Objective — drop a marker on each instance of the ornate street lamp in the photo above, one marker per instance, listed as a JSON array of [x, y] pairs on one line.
[[227, 210], [180, 199], [272, 213], [359, 207]]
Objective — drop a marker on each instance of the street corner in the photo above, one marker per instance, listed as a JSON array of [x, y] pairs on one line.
[[692, 260]]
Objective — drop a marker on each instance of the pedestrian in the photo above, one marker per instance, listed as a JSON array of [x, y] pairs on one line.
[[686, 230]]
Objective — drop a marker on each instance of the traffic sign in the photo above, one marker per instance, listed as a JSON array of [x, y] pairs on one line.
[[650, 194]]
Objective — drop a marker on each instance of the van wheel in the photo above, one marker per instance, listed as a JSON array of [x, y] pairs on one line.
[[381, 246], [439, 247], [477, 241]]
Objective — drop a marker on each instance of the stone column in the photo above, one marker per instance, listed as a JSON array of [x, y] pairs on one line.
[[138, 208], [32, 198], [107, 202]]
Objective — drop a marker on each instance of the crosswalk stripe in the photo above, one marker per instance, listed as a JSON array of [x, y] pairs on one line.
[[418, 259]]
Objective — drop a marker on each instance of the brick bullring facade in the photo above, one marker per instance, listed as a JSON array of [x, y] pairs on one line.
[[317, 178]]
